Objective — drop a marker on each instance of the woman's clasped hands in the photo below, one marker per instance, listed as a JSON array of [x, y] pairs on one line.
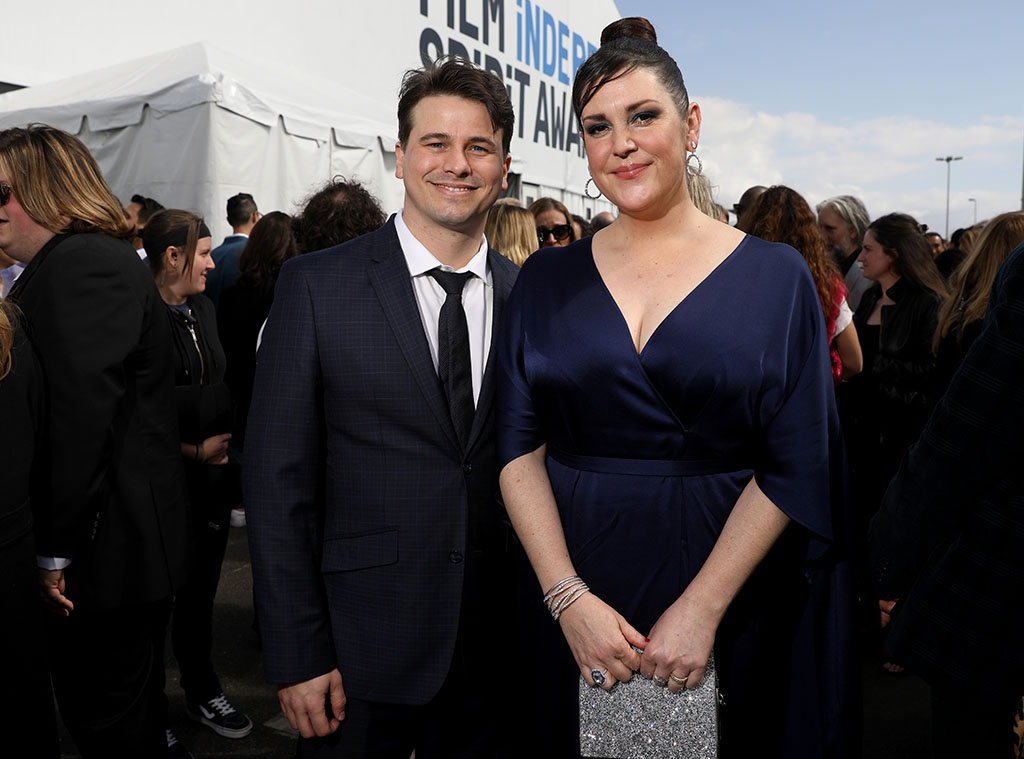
[[604, 644]]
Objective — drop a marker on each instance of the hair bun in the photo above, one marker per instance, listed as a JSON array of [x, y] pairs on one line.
[[634, 27]]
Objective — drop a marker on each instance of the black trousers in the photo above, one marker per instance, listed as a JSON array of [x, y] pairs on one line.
[[461, 722], [192, 620], [108, 676], [970, 721], [26, 699]]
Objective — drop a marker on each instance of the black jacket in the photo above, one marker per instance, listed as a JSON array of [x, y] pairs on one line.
[[904, 362], [110, 494], [242, 309], [949, 537], [204, 405], [21, 419]]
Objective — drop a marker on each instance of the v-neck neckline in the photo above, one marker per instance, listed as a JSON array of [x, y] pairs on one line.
[[639, 353]]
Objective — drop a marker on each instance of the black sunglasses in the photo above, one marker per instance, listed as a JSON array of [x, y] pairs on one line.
[[560, 232], [5, 195]]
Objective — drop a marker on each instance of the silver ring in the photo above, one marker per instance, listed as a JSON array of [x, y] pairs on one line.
[[659, 680], [678, 680], [598, 677]]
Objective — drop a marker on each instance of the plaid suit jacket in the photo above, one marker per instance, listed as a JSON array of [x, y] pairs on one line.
[[949, 537], [358, 497]]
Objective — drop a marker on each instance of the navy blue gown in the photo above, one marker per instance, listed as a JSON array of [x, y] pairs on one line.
[[647, 455]]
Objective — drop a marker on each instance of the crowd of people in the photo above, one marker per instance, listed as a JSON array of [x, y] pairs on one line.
[[663, 437]]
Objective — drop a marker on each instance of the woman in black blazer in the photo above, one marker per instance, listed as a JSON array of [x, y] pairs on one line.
[[179, 244], [26, 699]]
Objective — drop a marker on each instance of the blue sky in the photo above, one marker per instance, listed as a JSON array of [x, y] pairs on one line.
[[857, 98]]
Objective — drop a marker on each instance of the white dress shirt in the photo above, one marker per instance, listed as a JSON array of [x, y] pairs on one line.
[[477, 298], [8, 277]]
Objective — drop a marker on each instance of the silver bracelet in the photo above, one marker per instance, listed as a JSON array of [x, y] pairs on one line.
[[563, 594]]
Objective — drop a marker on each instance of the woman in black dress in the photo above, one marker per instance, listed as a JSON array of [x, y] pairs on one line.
[[244, 307]]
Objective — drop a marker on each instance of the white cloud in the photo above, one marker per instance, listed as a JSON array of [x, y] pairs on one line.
[[889, 162]]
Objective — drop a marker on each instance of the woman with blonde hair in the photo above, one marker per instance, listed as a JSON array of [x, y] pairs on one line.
[[963, 312], [510, 231]]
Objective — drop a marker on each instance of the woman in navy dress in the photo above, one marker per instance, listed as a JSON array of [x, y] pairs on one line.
[[667, 433]]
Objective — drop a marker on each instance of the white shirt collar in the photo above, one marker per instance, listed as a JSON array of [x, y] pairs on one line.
[[420, 260]]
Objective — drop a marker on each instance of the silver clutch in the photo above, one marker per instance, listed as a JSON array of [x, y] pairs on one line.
[[638, 719]]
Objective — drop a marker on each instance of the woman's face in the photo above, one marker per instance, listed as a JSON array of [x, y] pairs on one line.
[[636, 144], [194, 282], [877, 263], [553, 229]]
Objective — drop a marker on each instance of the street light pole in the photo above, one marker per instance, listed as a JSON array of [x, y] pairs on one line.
[[949, 163], [973, 200]]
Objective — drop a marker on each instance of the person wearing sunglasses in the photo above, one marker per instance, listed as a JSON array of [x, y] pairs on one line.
[[109, 500], [553, 223]]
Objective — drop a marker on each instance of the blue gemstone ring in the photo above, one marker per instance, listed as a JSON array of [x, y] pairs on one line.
[[598, 677]]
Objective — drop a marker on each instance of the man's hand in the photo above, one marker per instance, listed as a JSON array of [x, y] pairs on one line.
[[304, 704], [885, 608], [52, 588]]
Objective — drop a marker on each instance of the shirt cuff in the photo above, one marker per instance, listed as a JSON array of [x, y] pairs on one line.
[[52, 562]]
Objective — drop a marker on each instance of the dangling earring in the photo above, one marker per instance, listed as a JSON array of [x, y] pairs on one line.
[[586, 190], [700, 166]]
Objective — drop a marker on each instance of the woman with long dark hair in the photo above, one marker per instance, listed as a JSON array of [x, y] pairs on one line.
[[244, 307], [886, 407], [667, 429], [781, 214]]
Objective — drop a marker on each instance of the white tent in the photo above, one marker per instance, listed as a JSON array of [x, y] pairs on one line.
[[301, 96], [195, 125]]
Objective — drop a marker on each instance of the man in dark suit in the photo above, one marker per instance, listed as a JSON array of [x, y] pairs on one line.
[[377, 541], [242, 216], [948, 540], [109, 501]]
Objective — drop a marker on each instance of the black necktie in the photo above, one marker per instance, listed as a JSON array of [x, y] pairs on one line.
[[453, 365]]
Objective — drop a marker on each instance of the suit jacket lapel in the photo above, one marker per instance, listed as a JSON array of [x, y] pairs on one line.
[[390, 279], [502, 283], [21, 283]]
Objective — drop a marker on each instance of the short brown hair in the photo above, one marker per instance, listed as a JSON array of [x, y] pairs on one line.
[[54, 174], [450, 75]]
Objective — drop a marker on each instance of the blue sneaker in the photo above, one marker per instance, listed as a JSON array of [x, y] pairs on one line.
[[220, 716]]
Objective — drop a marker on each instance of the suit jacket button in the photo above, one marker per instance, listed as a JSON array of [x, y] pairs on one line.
[[455, 557], [468, 468]]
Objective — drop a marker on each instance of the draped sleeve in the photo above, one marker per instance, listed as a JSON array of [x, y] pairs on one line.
[[518, 425], [799, 465]]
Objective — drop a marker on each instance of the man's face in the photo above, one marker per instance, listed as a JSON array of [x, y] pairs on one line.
[[452, 165], [20, 236], [840, 238], [132, 212], [935, 241]]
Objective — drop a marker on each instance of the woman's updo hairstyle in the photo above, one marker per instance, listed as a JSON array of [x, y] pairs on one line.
[[626, 45]]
